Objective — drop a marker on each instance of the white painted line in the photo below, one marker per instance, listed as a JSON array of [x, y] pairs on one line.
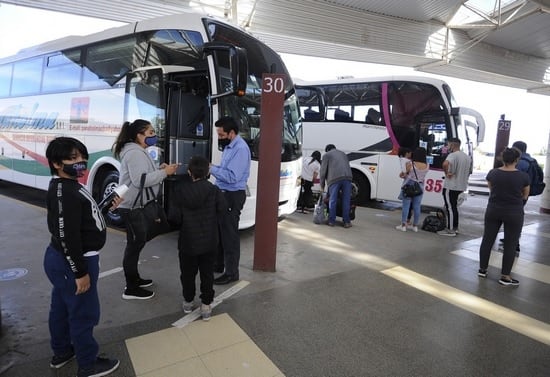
[[188, 318], [515, 321], [531, 270], [109, 272]]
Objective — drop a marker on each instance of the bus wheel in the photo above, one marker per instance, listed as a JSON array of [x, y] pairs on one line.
[[360, 189], [109, 183]]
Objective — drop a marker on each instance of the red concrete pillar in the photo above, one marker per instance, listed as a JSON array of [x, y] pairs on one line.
[[269, 167]]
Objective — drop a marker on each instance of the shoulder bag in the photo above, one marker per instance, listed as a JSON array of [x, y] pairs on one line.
[[412, 188], [148, 218]]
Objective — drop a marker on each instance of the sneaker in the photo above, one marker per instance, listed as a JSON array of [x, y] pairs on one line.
[[330, 224], [144, 283], [506, 281], [482, 273], [137, 294], [347, 225], [59, 361], [447, 232], [401, 228], [414, 229], [101, 367], [206, 312], [187, 307]]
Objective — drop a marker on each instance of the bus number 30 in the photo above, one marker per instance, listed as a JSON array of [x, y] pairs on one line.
[[435, 185]]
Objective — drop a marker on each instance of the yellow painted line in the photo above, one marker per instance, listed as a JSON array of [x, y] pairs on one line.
[[531, 270], [532, 328]]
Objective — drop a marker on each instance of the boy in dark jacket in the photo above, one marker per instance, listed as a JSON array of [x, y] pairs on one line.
[[199, 204], [71, 261]]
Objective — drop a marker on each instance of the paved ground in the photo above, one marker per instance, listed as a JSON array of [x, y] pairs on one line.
[[365, 301]]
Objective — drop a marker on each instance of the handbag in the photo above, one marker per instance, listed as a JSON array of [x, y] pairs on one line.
[[412, 188], [148, 220], [320, 213]]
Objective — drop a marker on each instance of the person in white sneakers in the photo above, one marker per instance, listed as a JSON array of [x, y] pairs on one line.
[[199, 205], [415, 171], [457, 167]]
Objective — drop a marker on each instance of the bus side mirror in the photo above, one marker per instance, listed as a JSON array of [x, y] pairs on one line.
[[238, 67]]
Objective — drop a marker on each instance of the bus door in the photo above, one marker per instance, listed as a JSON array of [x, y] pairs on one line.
[[188, 117]]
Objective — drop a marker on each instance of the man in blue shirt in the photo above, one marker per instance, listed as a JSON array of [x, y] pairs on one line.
[[231, 177]]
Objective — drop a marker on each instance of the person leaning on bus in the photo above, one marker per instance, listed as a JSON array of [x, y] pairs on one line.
[[129, 148]]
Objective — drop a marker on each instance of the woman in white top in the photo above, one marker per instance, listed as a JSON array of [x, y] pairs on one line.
[[310, 172], [415, 170]]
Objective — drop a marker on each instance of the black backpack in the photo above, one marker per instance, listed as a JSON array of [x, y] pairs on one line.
[[536, 177], [435, 223]]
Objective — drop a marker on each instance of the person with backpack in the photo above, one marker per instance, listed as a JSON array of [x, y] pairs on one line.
[[530, 166]]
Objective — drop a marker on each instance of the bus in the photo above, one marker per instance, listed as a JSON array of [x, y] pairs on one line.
[[369, 119], [180, 72]]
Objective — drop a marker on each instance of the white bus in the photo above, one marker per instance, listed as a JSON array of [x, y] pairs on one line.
[[371, 118], [181, 72]]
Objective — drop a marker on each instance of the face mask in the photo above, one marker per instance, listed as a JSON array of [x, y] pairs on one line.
[[76, 170], [151, 140], [222, 143]]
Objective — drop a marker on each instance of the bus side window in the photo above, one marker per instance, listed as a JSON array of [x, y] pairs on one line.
[[373, 117], [311, 115], [341, 115]]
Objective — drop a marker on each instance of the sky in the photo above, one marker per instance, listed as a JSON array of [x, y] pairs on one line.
[[22, 27]]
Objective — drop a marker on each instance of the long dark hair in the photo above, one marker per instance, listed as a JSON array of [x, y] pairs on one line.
[[419, 155], [128, 134], [316, 157]]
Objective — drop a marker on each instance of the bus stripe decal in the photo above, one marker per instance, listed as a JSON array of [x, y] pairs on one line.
[[386, 110], [40, 159]]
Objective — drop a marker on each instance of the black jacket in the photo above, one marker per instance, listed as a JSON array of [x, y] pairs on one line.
[[198, 205], [75, 222]]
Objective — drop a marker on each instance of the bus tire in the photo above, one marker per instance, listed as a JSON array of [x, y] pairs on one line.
[[110, 181], [360, 189]]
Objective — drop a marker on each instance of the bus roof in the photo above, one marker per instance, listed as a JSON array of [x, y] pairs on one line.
[[189, 20], [354, 80]]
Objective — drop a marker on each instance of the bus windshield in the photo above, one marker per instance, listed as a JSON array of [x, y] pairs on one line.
[[248, 107]]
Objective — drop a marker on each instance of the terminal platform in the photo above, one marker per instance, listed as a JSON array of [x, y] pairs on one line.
[[364, 301]]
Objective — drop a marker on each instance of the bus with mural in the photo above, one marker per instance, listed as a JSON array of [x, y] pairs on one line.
[[371, 118], [180, 72]]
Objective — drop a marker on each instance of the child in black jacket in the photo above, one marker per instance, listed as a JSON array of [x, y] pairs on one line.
[[199, 203], [71, 261]]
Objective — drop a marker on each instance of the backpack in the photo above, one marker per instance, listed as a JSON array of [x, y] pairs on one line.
[[536, 177], [435, 223]]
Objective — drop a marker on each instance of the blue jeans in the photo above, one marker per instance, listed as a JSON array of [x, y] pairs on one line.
[[333, 189], [72, 317], [415, 203]]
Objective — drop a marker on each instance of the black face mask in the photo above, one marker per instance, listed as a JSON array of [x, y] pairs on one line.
[[222, 143], [76, 170]]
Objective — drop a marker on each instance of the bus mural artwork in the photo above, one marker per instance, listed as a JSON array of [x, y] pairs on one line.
[[371, 118], [180, 72]]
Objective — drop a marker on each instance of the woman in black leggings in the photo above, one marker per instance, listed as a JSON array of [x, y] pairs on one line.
[[509, 188]]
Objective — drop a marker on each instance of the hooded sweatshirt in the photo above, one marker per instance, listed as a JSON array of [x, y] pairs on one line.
[[198, 205]]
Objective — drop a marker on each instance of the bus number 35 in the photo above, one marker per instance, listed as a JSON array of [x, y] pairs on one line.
[[435, 185]]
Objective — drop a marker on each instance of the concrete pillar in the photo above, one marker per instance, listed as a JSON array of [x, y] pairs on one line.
[[545, 197]]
